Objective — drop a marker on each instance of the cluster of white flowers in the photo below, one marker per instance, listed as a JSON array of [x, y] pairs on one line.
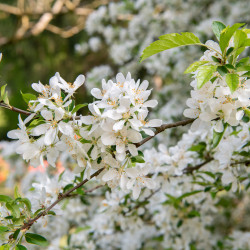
[[168, 208], [52, 121], [214, 100], [105, 138]]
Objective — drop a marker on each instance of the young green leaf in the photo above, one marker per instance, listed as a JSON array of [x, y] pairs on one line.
[[217, 27], [227, 34], [138, 159], [205, 73], [79, 106], [28, 97], [239, 39], [194, 66], [3, 229], [20, 247], [170, 41], [36, 239], [13, 208], [16, 192], [26, 201], [232, 81], [5, 198], [218, 136]]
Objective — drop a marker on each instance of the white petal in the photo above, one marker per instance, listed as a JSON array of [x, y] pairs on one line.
[[154, 123], [136, 191], [150, 104], [120, 146], [134, 136], [96, 93], [40, 129], [29, 118], [65, 128], [148, 131], [120, 78], [47, 115], [149, 183], [132, 149], [89, 119], [110, 175], [219, 126], [239, 115], [108, 139], [144, 85], [79, 81], [59, 113], [50, 136], [119, 125], [191, 113]]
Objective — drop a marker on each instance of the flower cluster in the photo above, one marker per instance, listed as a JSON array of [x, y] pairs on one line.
[[215, 100], [120, 112], [50, 123], [104, 139]]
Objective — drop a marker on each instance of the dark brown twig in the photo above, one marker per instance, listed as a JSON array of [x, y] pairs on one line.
[[65, 195], [164, 127]]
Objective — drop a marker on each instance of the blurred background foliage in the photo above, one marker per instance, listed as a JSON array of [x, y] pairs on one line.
[[34, 58]]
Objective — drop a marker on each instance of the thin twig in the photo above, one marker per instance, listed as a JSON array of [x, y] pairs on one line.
[[158, 129], [63, 196], [164, 127], [20, 111], [189, 170]]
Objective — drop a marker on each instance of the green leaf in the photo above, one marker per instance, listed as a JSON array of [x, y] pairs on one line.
[[239, 38], [222, 70], [79, 106], [16, 192], [4, 95], [226, 35], [205, 73], [5, 198], [83, 141], [3, 90], [138, 159], [28, 97], [218, 136], [194, 66], [52, 213], [170, 41], [217, 27], [242, 62], [193, 213], [36, 122], [14, 209], [36, 239], [243, 68], [16, 233], [198, 147], [26, 201], [189, 194], [232, 81], [247, 112], [3, 229], [20, 247]]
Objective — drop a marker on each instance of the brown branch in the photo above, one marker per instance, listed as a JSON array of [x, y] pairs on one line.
[[189, 170], [20, 111], [158, 129], [63, 196], [247, 163], [164, 127]]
